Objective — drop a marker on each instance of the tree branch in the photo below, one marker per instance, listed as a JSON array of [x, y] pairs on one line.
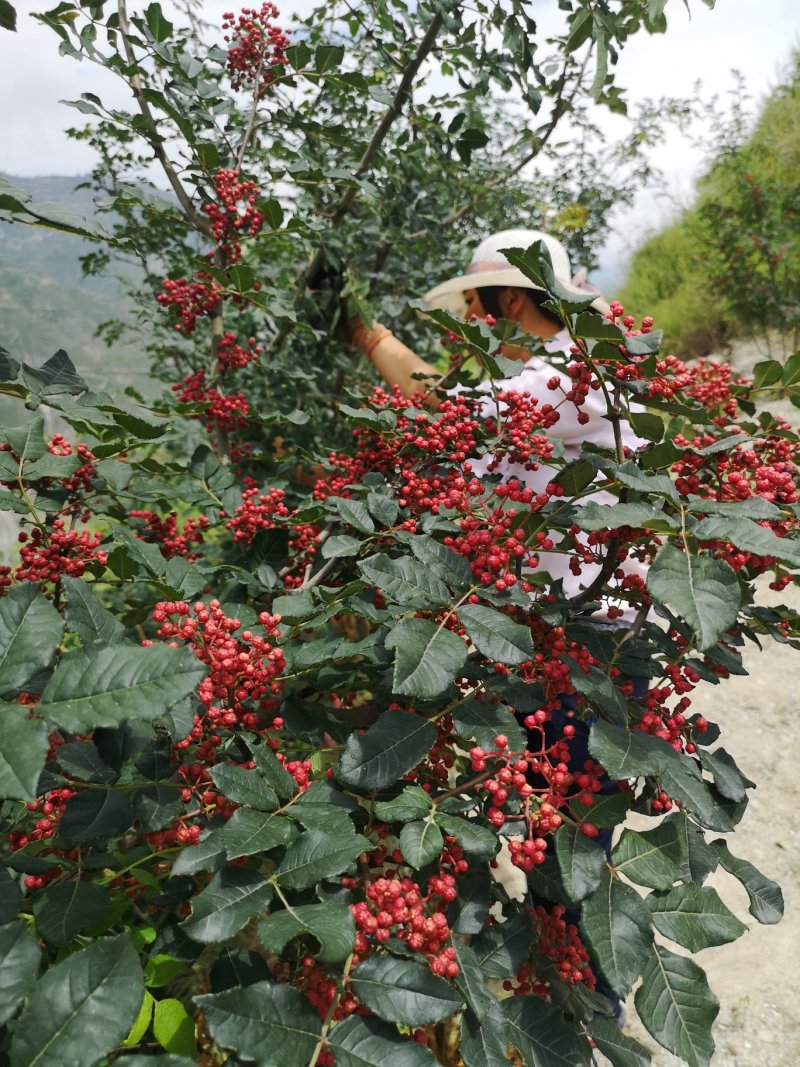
[[154, 137], [391, 114]]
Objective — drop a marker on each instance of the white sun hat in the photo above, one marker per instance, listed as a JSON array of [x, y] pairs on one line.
[[489, 266]]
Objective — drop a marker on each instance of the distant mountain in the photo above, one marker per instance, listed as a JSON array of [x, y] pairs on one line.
[[46, 303]]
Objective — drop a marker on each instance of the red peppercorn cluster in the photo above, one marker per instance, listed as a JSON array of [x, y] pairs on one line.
[[234, 213], [255, 47], [764, 468], [50, 807], [395, 907], [258, 511], [164, 533], [81, 480], [233, 356], [561, 942], [48, 553], [225, 412], [191, 300], [239, 689]]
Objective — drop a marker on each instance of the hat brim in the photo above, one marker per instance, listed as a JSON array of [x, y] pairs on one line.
[[449, 295]]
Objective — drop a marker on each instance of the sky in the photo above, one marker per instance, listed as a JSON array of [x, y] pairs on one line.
[[752, 37]]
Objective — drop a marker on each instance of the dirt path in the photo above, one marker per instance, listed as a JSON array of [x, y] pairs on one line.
[[759, 1019]]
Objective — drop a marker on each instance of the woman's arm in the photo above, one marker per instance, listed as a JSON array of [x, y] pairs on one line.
[[394, 361]]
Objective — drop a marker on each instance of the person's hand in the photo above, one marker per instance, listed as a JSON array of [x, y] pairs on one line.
[[351, 324]]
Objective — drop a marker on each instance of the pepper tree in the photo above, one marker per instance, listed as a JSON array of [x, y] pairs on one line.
[[274, 661]]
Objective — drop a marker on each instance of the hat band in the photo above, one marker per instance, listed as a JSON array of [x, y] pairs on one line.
[[482, 267]]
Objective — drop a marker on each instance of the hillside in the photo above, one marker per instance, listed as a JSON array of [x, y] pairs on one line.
[[728, 268], [46, 303]]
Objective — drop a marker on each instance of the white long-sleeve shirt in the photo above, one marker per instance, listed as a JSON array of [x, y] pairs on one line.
[[532, 379]]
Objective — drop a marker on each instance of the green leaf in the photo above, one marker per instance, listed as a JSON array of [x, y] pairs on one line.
[[141, 1023], [536, 263], [384, 509], [469, 911], [243, 787], [327, 57], [237, 967], [173, 1027], [607, 809], [616, 1046], [354, 513], [30, 633], [330, 924], [248, 832], [676, 1005], [65, 910], [100, 813], [58, 375], [394, 745], [272, 1024], [449, 565], [484, 1042], [631, 753], [81, 1008], [766, 898], [700, 859], [82, 760], [421, 842], [23, 751], [767, 372], [8, 16], [503, 948], [580, 860], [653, 858], [86, 616], [404, 991], [105, 685], [470, 982], [365, 1042], [339, 546], [413, 803], [10, 898], [595, 684], [404, 581], [207, 855], [27, 440], [231, 898], [703, 590], [694, 916], [157, 807], [790, 375], [495, 635], [616, 925], [475, 839], [646, 424], [427, 657], [483, 722], [653, 484], [575, 476], [542, 1037], [317, 854], [748, 536], [276, 776], [161, 969], [468, 141], [728, 779], [638, 515], [20, 955]]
